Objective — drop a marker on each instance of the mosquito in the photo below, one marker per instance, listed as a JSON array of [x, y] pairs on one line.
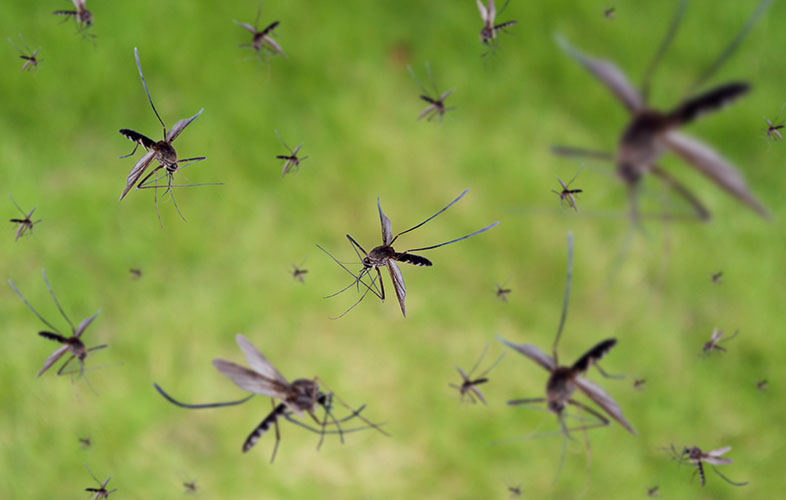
[[650, 132], [189, 486], [717, 278], [291, 160], [135, 272], [100, 492], [762, 385], [469, 385], [299, 273], [82, 17], [385, 256], [652, 491], [435, 101], [502, 292], [72, 344], [515, 491], [298, 397], [715, 340], [262, 38], [638, 383], [26, 224], [608, 13], [84, 442], [488, 35], [772, 129], [161, 151], [29, 57], [695, 456], [568, 194]]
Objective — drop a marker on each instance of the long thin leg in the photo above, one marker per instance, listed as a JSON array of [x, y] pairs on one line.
[[273, 404], [139, 66], [357, 413], [582, 153], [436, 214], [675, 23], [199, 406], [59, 307], [60, 371], [726, 478], [31, 307], [453, 241], [566, 298], [701, 211]]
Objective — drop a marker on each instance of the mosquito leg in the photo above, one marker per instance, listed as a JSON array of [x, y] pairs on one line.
[[60, 371], [199, 406], [278, 432], [31, 307], [59, 307], [608, 375], [566, 298], [136, 146], [726, 478]]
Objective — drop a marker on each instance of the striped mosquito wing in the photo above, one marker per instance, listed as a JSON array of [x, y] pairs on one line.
[[532, 353], [180, 126], [136, 172], [257, 361], [712, 165], [52, 359], [398, 284], [602, 399], [250, 380], [84, 324], [387, 231]]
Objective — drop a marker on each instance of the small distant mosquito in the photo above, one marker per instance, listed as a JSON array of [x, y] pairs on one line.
[[299, 273], [84, 442], [717, 278], [298, 397], [652, 491], [515, 491], [774, 126], [715, 340], [469, 385], [762, 385], [385, 256], [608, 13], [82, 17], [26, 224], [136, 273], [695, 456], [568, 194], [436, 101], [638, 384], [72, 344], [100, 492], [503, 292], [262, 38], [30, 57], [190, 486], [291, 160], [488, 34], [161, 151]]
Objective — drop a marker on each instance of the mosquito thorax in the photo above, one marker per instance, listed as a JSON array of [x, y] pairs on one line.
[[379, 255], [304, 393], [165, 153]]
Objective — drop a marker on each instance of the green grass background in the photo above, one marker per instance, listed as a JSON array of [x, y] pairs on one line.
[[345, 92]]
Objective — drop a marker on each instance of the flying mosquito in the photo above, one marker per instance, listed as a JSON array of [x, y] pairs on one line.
[[488, 35], [638, 383], [762, 385], [82, 17], [299, 273], [568, 194], [695, 456], [189, 486], [25, 225], [650, 132], [435, 101], [652, 491], [715, 340], [385, 256], [84, 442], [161, 151], [72, 344], [609, 13], [262, 38], [502, 292], [29, 57], [772, 129], [291, 160], [469, 385], [100, 492], [298, 397], [717, 278], [136, 273], [515, 491]]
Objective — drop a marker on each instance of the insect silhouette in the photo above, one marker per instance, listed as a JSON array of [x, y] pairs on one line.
[[385, 256], [762, 385], [29, 57], [502, 292], [291, 160], [136, 273], [85, 442], [72, 344], [82, 17], [567, 194], [772, 129], [717, 278], [299, 273], [469, 385], [101, 491], [299, 397], [488, 35], [515, 491], [189, 486], [608, 13], [650, 132], [435, 101], [25, 224], [695, 456], [638, 384], [652, 491], [161, 151], [262, 38], [714, 343]]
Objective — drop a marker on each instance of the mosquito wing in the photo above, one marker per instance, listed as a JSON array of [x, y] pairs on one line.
[[398, 285], [492, 12], [532, 353], [716, 335], [712, 457], [719, 451], [445, 95], [713, 166], [250, 380], [52, 359], [274, 45], [180, 126], [483, 12], [426, 111], [84, 324], [602, 399], [137, 171], [246, 26], [257, 361], [79, 4], [387, 232]]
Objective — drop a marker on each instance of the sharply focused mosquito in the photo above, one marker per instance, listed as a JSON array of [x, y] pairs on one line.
[[568, 194], [469, 385], [72, 344], [298, 397], [436, 101], [25, 225], [261, 38], [101, 491], [715, 340], [774, 126], [291, 160], [82, 17], [385, 256], [298, 273], [650, 132], [695, 456], [29, 57], [488, 35]]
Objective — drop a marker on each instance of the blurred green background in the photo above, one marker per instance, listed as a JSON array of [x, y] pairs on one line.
[[346, 93]]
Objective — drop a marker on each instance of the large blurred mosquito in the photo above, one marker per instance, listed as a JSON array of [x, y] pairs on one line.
[[298, 273], [650, 132], [261, 38], [298, 397], [72, 344], [385, 256], [30, 57], [567, 194], [436, 101], [774, 126], [488, 35], [25, 224], [101, 491], [82, 17], [470, 385], [694, 455], [161, 151], [714, 343], [291, 160]]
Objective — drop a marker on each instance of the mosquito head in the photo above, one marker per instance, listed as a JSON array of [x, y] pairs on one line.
[[628, 173], [367, 263], [556, 406]]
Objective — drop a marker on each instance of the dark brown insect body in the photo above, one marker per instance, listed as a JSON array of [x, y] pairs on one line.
[[82, 16], [503, 293], [135, 272], [299, 273], [85, 442], [715, 340], [488, 34], [469, 385], [190, 486], [101, 491], [652, 491], [695, 456], [25, 224], [29, 57], [609, 13], [717, 278], [638, 384], [568, 194], [262, 38], [515, 491], [762, 385]]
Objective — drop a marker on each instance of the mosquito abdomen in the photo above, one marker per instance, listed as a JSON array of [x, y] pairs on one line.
[[415, 260], [711, 100], [257, 433]]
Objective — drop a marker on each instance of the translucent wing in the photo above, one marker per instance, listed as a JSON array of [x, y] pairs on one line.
[[274, 45], [445, 95], [180, 126], [137, 171], [246, 26], [482, 10], [387, 232], [426, 111], [398, 285], [84, 324], [532, 353], [478, 394], [602, 399], [717, 453], [713, 166], [257, 361], [492, 11], [79, 4], [250, 380], [52, 359]]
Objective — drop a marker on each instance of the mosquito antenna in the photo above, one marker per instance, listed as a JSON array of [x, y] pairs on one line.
[[259, 13], [414, 77], [431, 79], [199, 406], [436, 214], [139, 66], [732, 46], [59, 307], [282, 141], [675, 24], [452, 241], [31, 307], [17, 206], [482, 355], [357, 277], [574, 177], [566, 298], [726, 478]]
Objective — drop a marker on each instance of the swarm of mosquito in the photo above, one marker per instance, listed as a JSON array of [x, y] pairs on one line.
[[30, 57]]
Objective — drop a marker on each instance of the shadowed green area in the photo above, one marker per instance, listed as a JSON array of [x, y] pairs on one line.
[[344, 90]]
